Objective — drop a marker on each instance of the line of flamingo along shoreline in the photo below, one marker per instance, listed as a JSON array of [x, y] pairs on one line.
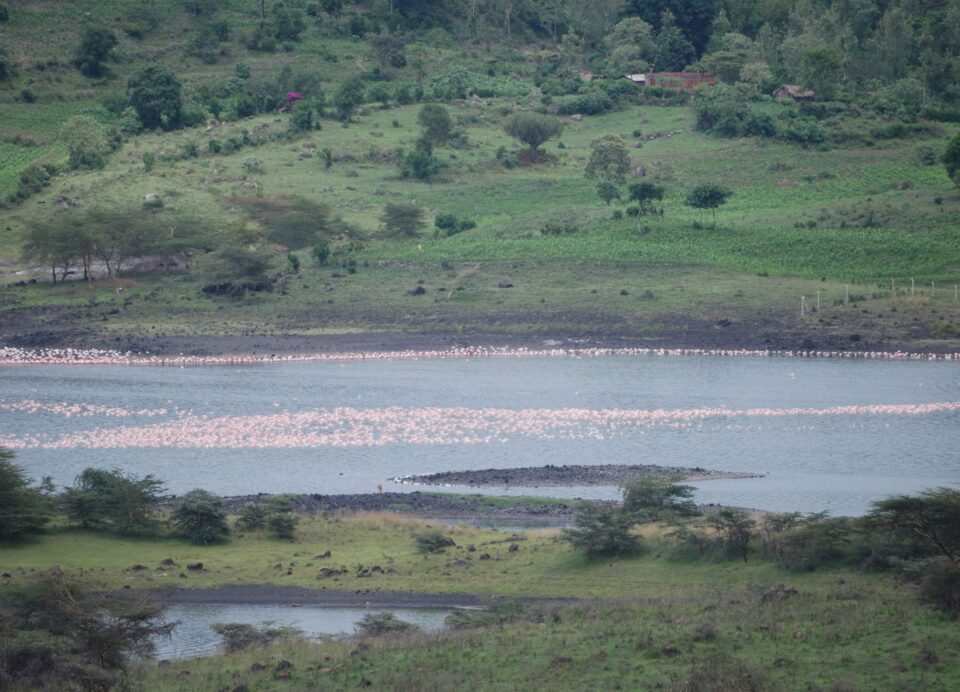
[[12, 356], [355, 427]]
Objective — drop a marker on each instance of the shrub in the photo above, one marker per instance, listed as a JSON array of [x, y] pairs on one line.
[[199, 518], [652, 499], [402, 219], [427, 542], [448, 225], [252, 516], [603, 531], [60, 634], [112, 500], [592, 103], [941, 586], [375, 624], [23, 509], [320, 253], [238, 636], [282, 524]]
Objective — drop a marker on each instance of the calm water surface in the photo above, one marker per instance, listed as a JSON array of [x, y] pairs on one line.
[[345, 427], [193, 636]]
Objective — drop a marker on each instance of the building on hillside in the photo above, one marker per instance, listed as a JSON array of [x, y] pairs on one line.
[[672, 80], [792, 91]]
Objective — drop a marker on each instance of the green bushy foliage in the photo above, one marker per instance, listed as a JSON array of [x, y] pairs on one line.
[[427, 542], [603, 531], [199, 518]]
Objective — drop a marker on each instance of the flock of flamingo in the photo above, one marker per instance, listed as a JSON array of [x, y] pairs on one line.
[[70, 356], [354, 427]]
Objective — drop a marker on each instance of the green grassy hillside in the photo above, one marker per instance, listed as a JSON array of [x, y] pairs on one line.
[[860, 218]]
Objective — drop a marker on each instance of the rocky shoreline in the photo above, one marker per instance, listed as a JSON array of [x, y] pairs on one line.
[[566, 476]]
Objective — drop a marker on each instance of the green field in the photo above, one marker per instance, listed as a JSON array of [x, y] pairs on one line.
[[639, 622]]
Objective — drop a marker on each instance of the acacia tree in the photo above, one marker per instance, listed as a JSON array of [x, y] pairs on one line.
[[532, 129], [708, 196], [602, 531], [113, 501], [641, 193], [23, 509], [609, 164], [199, 517], [735, 529], [933, 515], [401, 220], [652, 499], [60, 633]]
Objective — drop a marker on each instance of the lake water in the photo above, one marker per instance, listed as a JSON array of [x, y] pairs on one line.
[[193, 636], [829, 434]]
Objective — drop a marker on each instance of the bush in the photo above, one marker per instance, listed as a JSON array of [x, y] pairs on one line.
[[652, 499], [401, 220], [592, 103], [238, 636], [23, 509], [199, 518], [282, 524], [941, 586], [114, 501], [96, 47], [61, 634], [252, 516], [603, 531], [427, 542], [375, 624], [420, 163], [448, 225]]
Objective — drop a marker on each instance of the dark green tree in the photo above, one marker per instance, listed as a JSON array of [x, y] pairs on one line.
[[387, 49], [420, 163], [288, 22], [694, 18], [933, 516], [951, 159], [282, 524], [649, 498], [63, 634], [603, 531], [23, 509], [402, 220], [641, 193], [113, 501], [348, 96], [708, 196], [609, 164], [199, 517], [156, 96], [96, 47], [734, 529], [252, 516], [435, 124], [532, 129]]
